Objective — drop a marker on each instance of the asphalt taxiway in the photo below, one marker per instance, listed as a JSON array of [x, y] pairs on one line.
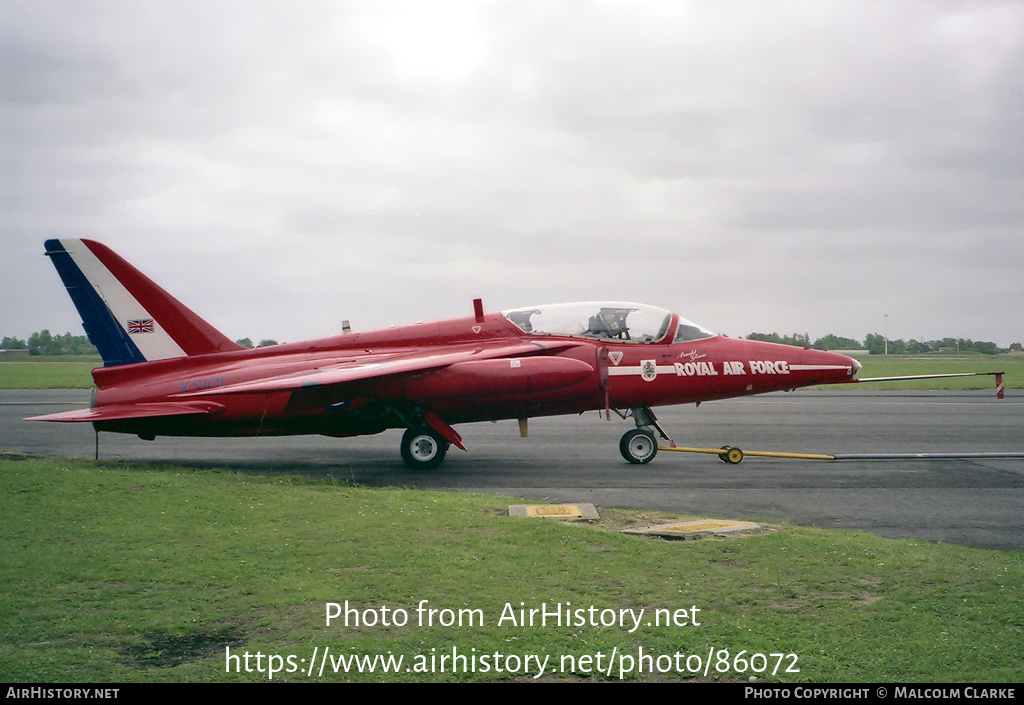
[[975, 501]]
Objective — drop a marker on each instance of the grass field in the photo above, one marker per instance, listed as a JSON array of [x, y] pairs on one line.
[[59, 373], [130, 573], [896, 365]]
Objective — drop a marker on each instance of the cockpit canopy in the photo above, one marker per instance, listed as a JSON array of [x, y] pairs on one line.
[[612, 320]]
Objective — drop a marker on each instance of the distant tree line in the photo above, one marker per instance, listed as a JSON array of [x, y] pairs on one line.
[[875, 344], [45, 343], [247, 343]]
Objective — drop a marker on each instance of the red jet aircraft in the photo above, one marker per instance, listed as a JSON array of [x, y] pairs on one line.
[[167, 372]]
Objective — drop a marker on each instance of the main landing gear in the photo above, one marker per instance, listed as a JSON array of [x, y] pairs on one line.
[[639, 445], [425, 443], [423, 448]]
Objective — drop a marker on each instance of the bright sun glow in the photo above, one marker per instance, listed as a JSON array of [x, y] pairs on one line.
[[430, 41]]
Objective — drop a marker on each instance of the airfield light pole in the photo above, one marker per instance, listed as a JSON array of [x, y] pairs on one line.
[[886, 352]]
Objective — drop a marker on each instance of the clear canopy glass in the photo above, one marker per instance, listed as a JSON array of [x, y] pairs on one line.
[[612, 320]]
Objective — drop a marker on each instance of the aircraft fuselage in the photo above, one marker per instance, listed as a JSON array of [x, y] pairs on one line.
[[553, 375]]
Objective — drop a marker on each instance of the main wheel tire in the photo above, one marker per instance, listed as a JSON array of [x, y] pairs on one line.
[[423, 448], [638, 446]]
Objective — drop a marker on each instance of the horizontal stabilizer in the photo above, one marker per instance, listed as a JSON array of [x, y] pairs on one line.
[[121, 412]]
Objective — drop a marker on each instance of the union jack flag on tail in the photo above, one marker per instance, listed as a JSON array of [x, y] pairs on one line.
[[144, 325]]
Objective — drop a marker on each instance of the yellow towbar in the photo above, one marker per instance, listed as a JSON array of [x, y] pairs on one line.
[[731, 455], [728, 454]]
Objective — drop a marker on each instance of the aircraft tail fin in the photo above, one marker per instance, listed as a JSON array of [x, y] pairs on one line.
[[125, 314]]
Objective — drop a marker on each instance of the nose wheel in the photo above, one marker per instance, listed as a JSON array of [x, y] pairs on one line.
[[638, 446]]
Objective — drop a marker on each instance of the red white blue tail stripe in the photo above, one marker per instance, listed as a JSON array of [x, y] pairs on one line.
[[126, 316]]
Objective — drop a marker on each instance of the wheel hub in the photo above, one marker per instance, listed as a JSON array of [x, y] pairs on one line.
[[424, 448]]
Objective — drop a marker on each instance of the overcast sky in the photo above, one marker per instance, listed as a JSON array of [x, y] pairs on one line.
[[799, 167]]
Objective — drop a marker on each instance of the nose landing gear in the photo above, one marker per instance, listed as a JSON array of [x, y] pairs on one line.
[[639, 446]]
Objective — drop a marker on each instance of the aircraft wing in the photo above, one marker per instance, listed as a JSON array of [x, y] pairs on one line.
[[373, 366], [121, 412]]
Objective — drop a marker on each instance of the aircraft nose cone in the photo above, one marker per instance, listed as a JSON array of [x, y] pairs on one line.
[[850, 362]]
